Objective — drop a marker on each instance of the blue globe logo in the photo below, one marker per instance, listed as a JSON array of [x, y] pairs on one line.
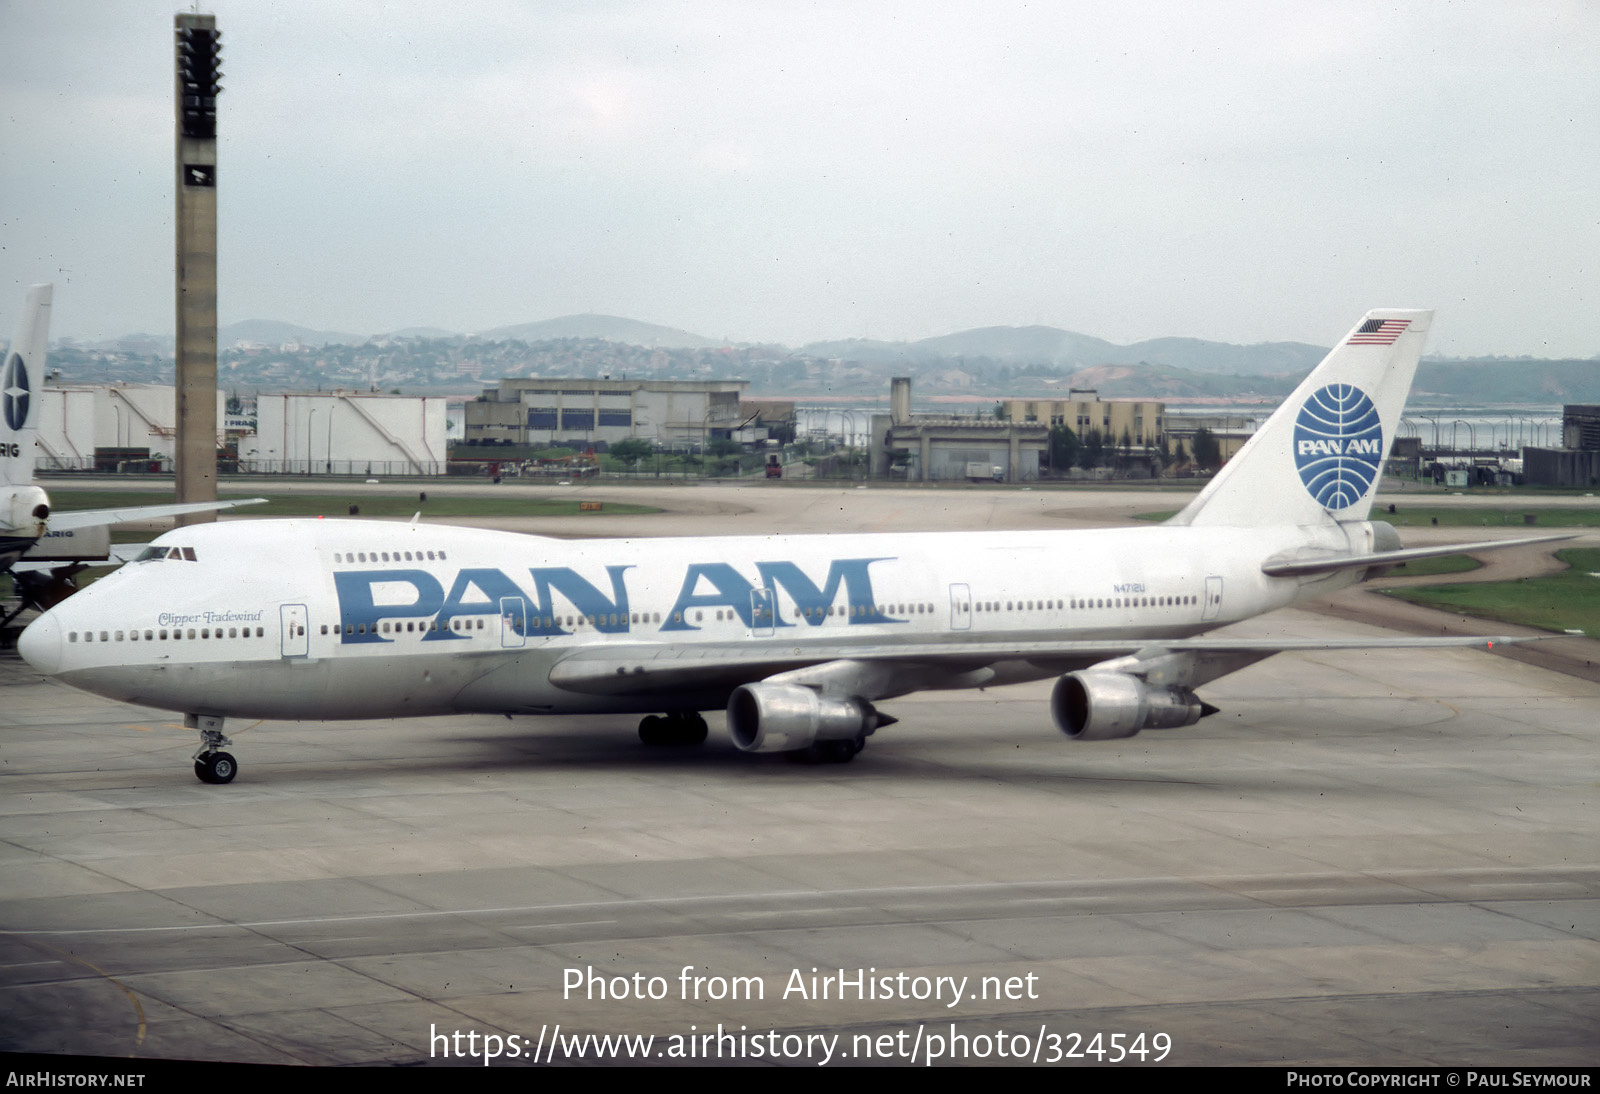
[[14, 392], [1338, 445]]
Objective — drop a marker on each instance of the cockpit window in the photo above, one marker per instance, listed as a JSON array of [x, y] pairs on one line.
[[156, 552]]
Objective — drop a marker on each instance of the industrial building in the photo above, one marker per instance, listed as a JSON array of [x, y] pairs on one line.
[[942, 447], [1577, 461], [132, 428], [588, 413], [1083, 411], [108, 428], [347, 433]]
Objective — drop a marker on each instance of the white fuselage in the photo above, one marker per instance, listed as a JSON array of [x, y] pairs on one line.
[[339, 619]]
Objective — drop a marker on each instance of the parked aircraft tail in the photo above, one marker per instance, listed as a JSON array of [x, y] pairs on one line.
[[1321, 454], [20, 380]]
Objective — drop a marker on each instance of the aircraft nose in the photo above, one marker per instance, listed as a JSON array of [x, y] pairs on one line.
[[40, 644]]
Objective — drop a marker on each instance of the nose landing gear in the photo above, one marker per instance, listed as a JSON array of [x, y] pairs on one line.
[[211, 765]]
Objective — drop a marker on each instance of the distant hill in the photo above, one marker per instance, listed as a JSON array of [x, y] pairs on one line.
[[609, 328], [1260, 359], [270, 332], [984, 362], [1064, 349], [421, 332], [1527, 380]]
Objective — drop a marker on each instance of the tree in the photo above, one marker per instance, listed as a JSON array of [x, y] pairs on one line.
[[631, 450], [1063, 448], [1094, 446], [1207, 453]]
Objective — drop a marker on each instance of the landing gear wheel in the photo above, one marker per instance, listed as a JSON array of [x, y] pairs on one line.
[[683, 728], [211, 764], [830, 752], [653, 730], [216, 768], [694, 730]]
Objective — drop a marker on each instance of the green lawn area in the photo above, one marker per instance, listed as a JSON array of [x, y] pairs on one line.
[[1509, 516], [1562, 602], [338, 505], [1545, 516]]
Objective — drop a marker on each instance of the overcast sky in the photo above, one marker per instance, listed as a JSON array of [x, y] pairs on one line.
[[796, 171]]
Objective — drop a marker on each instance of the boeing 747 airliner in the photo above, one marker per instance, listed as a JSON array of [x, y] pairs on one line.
[[798, 637]]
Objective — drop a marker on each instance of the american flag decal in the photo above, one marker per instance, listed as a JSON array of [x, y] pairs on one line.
[[1378, 332]]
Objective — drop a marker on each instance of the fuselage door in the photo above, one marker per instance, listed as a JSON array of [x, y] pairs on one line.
[[292, 619], [960, 608], [513, 622], [762, 603], [1213, 606]]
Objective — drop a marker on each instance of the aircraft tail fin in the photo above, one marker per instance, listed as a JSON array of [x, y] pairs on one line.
[[20, 379], [1321, 454]]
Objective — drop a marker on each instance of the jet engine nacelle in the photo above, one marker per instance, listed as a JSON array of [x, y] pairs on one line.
[[27, 512], [786, 717], [1103, 706]]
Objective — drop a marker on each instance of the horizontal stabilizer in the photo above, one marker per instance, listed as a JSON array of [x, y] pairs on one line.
[[1304, 567]]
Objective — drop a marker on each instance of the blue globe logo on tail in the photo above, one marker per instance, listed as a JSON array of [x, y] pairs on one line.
[[14, 393], [1338, 445]]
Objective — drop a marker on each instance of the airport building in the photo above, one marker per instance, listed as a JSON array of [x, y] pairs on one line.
[[108, 428], [585, 413], [1083, 411], [347, 433], [938, 448], [1577, 461]]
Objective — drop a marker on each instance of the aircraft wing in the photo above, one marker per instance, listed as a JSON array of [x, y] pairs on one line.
[[93, 518], [649, 668], [120, 553]]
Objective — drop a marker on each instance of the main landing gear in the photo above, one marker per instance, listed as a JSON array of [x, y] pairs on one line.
[[211, 765], [683, 727], [831, 752]]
